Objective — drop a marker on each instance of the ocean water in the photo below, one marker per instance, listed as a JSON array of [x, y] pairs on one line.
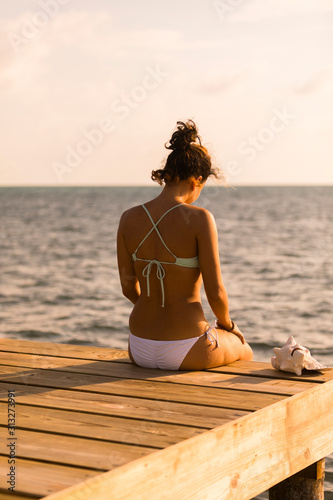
[[59, 279]]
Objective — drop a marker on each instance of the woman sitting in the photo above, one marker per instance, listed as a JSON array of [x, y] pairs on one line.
[[166, 248]]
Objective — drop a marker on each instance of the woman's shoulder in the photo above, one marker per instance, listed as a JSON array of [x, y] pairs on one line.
[[131, 211], [204, 212], [129, 215], [201, 214], [190, 213]]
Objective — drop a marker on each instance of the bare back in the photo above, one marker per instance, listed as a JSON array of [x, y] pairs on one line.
[[182, 316]]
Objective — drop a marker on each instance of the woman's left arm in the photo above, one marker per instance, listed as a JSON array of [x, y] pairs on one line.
[[128, 280]]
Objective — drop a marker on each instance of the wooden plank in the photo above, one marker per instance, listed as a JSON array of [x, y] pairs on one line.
[[28, 360], [287, 386], [38, 478], [123, 430], [161, 411], [205, 379], [259, 369], [242, 368], [14, 496], [253, 368], [69, 450], [234, 461], [63, 350], [227, 398]]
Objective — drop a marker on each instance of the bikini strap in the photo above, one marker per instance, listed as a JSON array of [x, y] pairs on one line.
[[156, 229], [160, 272]]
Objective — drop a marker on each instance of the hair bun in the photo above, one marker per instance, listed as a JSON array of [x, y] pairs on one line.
[[188, 157], [184, 136]]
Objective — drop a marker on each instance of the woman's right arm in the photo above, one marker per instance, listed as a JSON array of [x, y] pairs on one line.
[[209, 261], [129, 282]]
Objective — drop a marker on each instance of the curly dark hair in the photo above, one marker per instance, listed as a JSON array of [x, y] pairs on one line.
[[188, 157]]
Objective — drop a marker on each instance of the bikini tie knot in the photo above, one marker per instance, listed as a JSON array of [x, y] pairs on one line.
[[211, 337], [160, 273]]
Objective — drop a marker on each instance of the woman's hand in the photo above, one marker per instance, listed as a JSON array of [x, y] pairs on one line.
[[235, 330]]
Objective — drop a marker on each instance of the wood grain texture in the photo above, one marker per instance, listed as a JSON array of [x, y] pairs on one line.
[[63, 350], [160, 411], [233, 461], [68, 450], [113, 368], [39, 478], [259, 369], [253, 368], [82, 411], [163, 391], [126, 371], [108, 428], [16, 496]]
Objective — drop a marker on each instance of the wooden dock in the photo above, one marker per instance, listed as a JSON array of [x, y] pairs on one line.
[[90, 425]]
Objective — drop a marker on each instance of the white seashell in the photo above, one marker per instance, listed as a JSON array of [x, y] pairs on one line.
[[293, 357]]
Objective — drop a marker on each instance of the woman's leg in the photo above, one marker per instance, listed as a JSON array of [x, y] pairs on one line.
[[232, 347], [205, 355]]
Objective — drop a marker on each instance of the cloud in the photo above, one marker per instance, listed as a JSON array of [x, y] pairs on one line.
[[65, 80]]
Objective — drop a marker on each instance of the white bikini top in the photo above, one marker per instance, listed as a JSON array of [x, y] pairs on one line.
[[160, 272]]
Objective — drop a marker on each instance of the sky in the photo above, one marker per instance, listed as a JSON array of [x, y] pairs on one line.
[[91, 90]]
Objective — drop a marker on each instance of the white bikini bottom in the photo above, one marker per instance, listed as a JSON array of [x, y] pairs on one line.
[[165, 354]]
